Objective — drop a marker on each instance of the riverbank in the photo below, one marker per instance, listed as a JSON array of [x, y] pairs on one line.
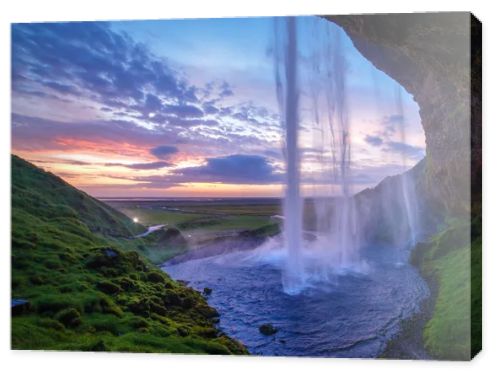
[[79, 284], [409, 342], [448, 325]]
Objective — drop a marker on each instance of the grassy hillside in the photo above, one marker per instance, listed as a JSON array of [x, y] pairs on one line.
[[454, 328], [78, 290], [49, 196]]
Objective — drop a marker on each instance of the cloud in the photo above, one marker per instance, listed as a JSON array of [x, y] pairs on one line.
[[142, 166], [237, 168], [393, 119], [374, 140], [184, 110], [133, 102], [391, 122], [225, 90], [90, 60], [163, 151], [103, 136], [410, 151]]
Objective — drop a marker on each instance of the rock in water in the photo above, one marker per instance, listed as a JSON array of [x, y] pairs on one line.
[[268, 329]]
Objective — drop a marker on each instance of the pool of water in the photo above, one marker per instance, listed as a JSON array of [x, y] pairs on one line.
[[352, 313]]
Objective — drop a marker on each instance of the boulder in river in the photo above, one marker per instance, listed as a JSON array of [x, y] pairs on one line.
[[268, 329], [207, 291]]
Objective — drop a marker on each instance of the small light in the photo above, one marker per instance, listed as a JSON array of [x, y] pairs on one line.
[[135, 219], [151, 115]]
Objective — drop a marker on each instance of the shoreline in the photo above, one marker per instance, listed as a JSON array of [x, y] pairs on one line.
[[408, 343]]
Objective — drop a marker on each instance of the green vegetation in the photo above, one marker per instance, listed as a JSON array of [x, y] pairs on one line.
[[191, 225], [476, 285], [201, 219], [48, 196], [162, 245], [155, 216], [446, 264], [72, 260]]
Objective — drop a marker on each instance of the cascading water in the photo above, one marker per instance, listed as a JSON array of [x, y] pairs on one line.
[[339, 228], [354, 290], [339, 242], [342, 233], [288, 99], [407, 181]]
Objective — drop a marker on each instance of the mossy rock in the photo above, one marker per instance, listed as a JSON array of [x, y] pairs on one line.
[[38, 279], [207, 332], [108, 287], [51, 324], [158, 309], [171, 298], [127, 284], [98, 346], [207, 311], [70, 317], [155, 277], [109, 306], [138, 322], [183, 331], [139, 307], [187, 302], [104, 257], [52, 303], [68, 256]]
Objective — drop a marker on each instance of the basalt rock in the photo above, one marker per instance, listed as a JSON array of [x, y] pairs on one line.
[[268, 329]]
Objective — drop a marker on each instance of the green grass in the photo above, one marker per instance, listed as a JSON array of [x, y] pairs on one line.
[[202, 219], [446, 263], [227, 223], [154, 216], [235, 209], [48, 196], [201, 225], [88, 290]]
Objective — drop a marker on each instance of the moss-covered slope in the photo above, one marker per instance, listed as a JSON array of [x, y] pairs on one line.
[[48, 196], [451, 263], [78, 291]]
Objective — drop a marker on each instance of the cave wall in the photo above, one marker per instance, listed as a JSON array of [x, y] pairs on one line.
[[429, 54]]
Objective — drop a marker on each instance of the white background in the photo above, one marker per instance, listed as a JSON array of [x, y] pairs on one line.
[[54, 363]]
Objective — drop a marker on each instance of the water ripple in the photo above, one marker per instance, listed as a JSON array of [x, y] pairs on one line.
[[351, 315]]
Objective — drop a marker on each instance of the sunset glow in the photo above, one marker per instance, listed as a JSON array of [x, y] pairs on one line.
[[182, 108]]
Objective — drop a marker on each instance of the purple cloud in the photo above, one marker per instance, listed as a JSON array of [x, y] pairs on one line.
[[91, 60], [163, 151], [410, 151], [374, 140], [237, 168], [142, 166]]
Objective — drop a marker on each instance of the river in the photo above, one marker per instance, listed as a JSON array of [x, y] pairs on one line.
[[353, 314]]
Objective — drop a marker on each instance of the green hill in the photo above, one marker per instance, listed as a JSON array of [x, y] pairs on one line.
[[77, 285], [47, 195]]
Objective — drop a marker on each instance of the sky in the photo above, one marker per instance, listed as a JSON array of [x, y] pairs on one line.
[[188, 108]]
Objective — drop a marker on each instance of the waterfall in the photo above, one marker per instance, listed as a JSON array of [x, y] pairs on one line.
[[317, 57], [288, 99], [407, 181]]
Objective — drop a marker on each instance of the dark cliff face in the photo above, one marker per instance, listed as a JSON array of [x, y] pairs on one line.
[[429, 54]]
